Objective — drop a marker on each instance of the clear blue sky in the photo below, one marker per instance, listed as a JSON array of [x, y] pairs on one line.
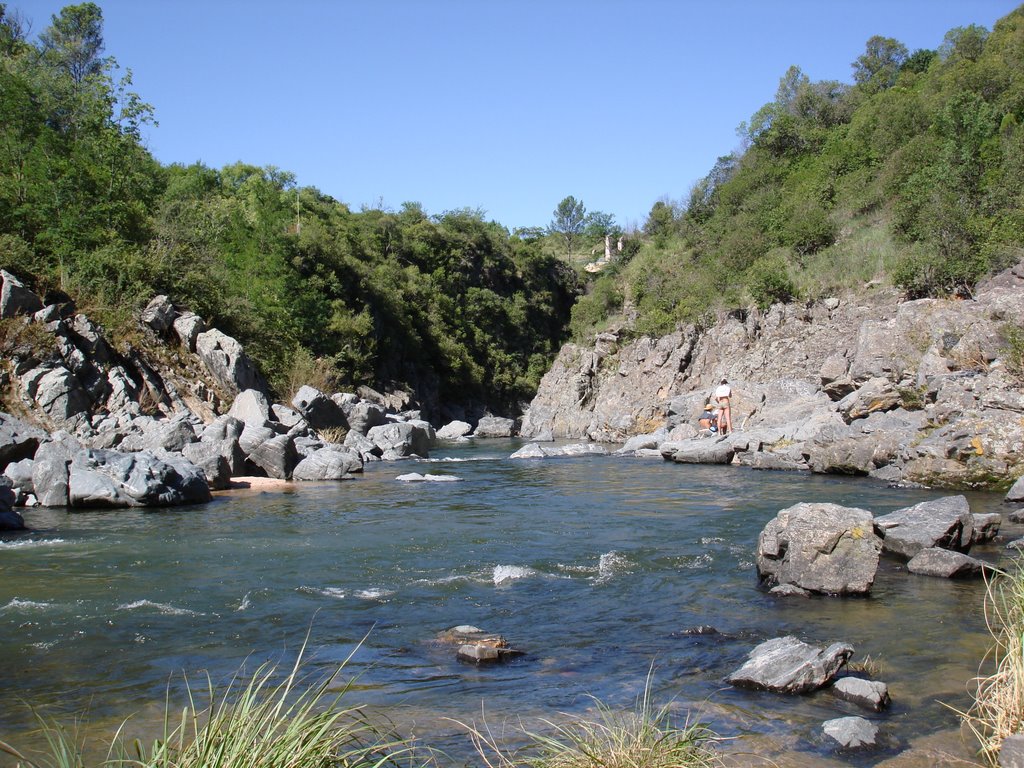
[[504, 106]]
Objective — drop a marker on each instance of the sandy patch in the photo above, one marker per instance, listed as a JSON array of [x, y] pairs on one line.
[[255, 484]]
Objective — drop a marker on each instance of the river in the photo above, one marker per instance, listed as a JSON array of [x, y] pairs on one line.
[[595, 567]]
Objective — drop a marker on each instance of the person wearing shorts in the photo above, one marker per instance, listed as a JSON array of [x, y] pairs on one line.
[[723, 396]]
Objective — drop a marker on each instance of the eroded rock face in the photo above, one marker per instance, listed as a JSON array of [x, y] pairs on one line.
[[788, 665], [824, 548], [914, 392], [227, 362]]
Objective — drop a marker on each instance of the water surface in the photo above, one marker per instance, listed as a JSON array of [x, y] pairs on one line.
[[596, 567]]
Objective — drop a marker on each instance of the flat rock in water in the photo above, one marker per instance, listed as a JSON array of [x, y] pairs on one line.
[[706, 451], [947, 565], [870, 694], [788, 665], [946, 523], [851, 732]]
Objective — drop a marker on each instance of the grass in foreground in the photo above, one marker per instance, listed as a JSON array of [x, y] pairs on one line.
[[262, 723], [642, 738], [998, 709]]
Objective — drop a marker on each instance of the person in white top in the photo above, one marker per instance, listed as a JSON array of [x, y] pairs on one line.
[[723, 396]]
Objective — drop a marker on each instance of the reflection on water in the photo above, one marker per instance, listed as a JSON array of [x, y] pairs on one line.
[[595, 566]]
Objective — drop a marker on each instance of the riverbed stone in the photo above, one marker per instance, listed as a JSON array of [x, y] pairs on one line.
[[870, 694], [986, 526], [824, 548], [789, 665], [946, 523], [1016, 492], [945, 564], [851, 732], [401, 440]]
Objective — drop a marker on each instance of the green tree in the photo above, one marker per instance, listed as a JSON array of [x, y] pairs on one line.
[[568, 222], [74, 40], [876, 69]]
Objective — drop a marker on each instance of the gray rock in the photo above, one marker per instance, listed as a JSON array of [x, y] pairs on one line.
[[825, 548], [870, 694], [1016, 492], [50, 470], [946, 523], [401, 440], [171, 434], [276, 456], [159, 315], [251, 406], [223, 428], [789, 590], [363, 445], [18, 439], [1016, 515], [986, 526], [363, 416], [877, 394], [20, 475], [478, 653], [328, 464], [188, 326], [15, 298], [210, 457], [494, 426], [101, 478], [227, 362], [9, 519], [643, 442], [787, 665], [454, 430], [319, 409], [947, 565], [1011, 751], [537, 451], [716, 450], [58, 393], [851, 732]]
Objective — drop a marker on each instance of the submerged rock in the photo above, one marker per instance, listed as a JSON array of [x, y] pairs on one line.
[[947, 565], [477, 646], [788, 665], [851, 732]]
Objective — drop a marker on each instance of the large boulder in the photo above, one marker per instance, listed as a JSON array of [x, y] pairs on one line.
[[276, 456], [825, 548], [50, 470], [453, 430], [699, 451], [328, 463], [216, 459], [159, 315], [15, 298], [494, 426], [946, 523], [102, 478], [363, 416], [20, 475], [788, 665], [58, 393], [18, 439], [227, 362], [188, 326], [251, 406], [401, 439], [319, 409]]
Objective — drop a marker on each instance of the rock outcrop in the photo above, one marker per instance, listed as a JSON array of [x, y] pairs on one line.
[[907, 391]]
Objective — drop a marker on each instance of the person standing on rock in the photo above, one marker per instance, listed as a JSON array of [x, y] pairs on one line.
[[723, 396]]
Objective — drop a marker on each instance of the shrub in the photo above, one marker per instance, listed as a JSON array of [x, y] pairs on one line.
[[768, 281]]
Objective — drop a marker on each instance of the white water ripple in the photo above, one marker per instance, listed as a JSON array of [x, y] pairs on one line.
[[164, 608], [333, 592], [25, 606], [31, 543], [505, 574]]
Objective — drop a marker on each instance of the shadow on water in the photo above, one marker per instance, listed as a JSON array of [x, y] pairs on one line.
[[596, 567]]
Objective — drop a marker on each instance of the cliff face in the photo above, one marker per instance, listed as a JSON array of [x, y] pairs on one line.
[[921, 391]]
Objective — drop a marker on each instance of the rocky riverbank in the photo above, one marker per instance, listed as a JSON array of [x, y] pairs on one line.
[[926, 391]]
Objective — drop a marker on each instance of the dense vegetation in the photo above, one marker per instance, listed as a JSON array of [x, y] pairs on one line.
[[913, 175], [452, 305]]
